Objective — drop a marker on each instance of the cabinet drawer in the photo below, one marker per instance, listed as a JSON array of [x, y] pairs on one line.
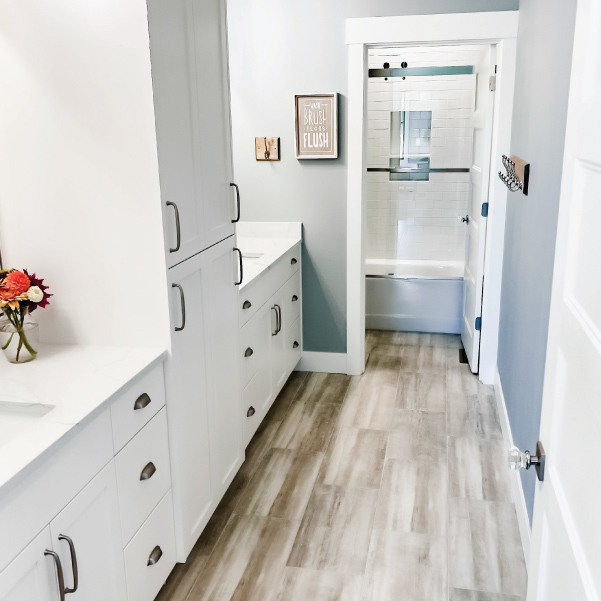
[[143, 474], [146, 567], [256, 396], [254, 344], [292, 292], [137, 406], [268, 283], [294, 345]]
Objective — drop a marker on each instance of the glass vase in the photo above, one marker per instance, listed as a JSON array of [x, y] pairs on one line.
[[19, 344]]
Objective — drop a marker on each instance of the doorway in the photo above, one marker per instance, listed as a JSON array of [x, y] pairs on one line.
[[410, 166]]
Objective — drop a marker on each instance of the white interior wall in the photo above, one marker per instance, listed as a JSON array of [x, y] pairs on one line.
[[79, 188]]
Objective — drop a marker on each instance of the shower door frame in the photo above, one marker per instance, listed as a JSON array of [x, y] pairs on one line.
[[498, 28]]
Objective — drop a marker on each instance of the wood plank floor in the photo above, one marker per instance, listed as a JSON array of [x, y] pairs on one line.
[[386, 486]]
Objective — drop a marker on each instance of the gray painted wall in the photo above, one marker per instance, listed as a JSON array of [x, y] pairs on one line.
[[278, 49], [545, 39]]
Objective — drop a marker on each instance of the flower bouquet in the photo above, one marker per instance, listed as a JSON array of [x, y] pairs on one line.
[[20, 295]]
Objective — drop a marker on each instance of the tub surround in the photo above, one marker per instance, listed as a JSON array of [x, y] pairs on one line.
[[50, 399], [262, 243]]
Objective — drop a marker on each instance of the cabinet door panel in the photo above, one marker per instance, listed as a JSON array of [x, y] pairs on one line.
[[221, 335], [278, 354], [91, 520], [31, 576], [191, 95], [187, 407], [212, 112]]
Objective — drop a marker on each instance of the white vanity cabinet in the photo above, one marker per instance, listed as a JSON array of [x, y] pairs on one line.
[[270, 338], [91, 524], [202, 384]]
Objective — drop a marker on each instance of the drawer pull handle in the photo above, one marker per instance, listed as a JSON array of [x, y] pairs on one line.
[[59, 573], [73, 564], [148, 472], [293, 261], [248, 352], [295, 344], [250, 412], [294, 298], [246, 305], [154, 557], [142, 401]]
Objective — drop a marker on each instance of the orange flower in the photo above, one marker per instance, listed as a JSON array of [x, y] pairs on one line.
[[14, 284]]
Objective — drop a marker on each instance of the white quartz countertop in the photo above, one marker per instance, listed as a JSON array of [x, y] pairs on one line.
[[47, 401], [263, 243]]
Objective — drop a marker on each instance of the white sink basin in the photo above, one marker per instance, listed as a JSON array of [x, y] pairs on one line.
[[250, 258], [15, 418]]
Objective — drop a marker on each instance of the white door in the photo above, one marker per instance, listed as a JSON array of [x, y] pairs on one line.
[[32, 575], [221, 335], [188, 51], [92, 524], [565, 560], [187, 404], [473, 278]]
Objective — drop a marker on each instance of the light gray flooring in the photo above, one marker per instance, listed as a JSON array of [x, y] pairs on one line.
[[387, 486]]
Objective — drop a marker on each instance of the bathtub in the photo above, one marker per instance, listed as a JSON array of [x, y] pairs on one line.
[[414, 296]]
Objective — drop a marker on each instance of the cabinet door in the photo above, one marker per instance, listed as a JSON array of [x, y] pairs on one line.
[[278, 350], [203, 401], [221, 336], [31, 576], [187, 405], [188, 50], [91, 521]]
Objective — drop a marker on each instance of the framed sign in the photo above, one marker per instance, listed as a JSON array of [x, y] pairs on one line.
[[316, 126]]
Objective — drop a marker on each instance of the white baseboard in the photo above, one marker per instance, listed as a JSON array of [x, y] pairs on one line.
[[516, 482], [331, 363]]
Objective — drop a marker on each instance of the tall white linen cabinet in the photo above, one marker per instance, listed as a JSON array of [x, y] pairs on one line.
[[200, 202]]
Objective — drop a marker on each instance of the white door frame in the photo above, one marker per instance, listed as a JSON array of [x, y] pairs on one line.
[[498, 28]]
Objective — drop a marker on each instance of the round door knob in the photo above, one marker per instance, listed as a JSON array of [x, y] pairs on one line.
[[518, 460], [524, 461]]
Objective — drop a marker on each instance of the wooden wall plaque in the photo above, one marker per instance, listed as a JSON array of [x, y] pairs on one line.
[[316, 126], [267, 149]]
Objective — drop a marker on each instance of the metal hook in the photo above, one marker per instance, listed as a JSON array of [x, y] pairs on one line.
[[267, 153]]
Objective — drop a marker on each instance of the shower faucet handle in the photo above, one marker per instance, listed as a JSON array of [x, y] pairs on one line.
[[465, 219]]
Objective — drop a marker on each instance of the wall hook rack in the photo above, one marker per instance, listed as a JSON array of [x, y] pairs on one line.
[[518, 173]]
